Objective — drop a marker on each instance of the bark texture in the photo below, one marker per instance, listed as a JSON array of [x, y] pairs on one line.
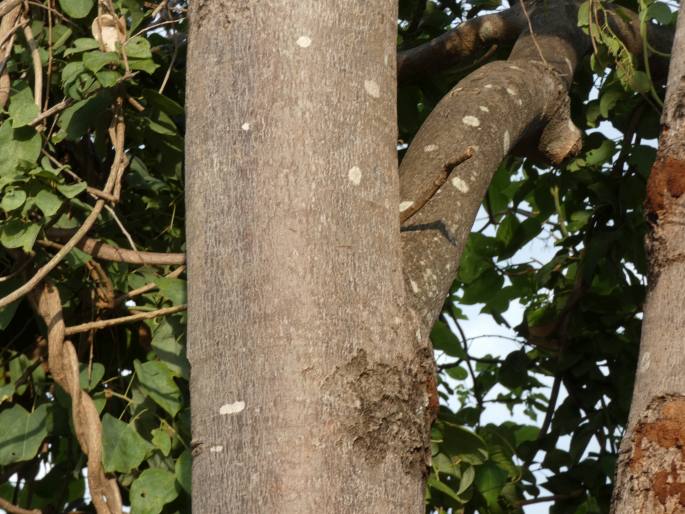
[[307, 391], [651, 468], [522, 101]]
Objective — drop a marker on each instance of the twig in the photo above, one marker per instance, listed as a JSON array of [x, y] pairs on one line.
[[37, 66], [105, 323], [171, 65], [122, 228], [147, 287], [58, 107], [13, 509], [436, 185], [532, 32]]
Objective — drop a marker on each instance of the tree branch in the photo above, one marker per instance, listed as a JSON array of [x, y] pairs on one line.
[[105, 323], [465, 42]]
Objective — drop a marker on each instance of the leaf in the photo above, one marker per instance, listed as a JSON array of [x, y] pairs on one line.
[[183, 471], [161, 440], [22, 433], [147, 65], [123, 449], [7, 313], [660, 12], [138, 48], [169, 349], [72, 190], [18, 234], [16, 146], [96, 60], [514, 370], [464, 444], [156, 380], [435, 483], [78, 118], [108, 78], [6, 393], [12, 198], [23, 108], [82, 44], [173, 289], [152, 490], [444, 340], [640, 82], [48, 202], [97, 371], [76, 8]]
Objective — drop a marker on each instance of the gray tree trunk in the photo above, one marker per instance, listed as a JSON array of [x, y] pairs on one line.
[[307, 394], [651, 469]]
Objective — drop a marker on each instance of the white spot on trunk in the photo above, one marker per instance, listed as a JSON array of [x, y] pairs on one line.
[[512, 91], [414, 286], [471, 121], [405, 205], [372, 88], [645, 361], [460, 184], [304, 41], [430, 148], [355, 175], [216, 449], [484, 108], [568, 63], [231, 408], [514, 67], [488, 86], [245, 126], [506, 141], [386, 59]]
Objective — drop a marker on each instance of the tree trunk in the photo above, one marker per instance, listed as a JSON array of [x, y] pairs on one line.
[[651, 469], [307, 393]]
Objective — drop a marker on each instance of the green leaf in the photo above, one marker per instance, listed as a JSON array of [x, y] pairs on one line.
[[183, 471], [165, 342], [464, 444], [640, 82], [48, 202], [78, 118], [6, 393], [147, 65], [123, 449], [108, 78], [514, 370], [22, 108], [12, 198], [72, 190], [444, 340], [82, 44], [22, 433], [156, 380], [18, 234], [660, 12], [161, 440], [16, 146], [173, 289], [71, 71], [152, 490], [7, 313], [436, 484], [96, 373], [138, 48], [76, 8], [96, 60]]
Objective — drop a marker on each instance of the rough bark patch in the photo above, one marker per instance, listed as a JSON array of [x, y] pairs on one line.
[[382, 409], [666, 182], [653, 478], [223, 12]]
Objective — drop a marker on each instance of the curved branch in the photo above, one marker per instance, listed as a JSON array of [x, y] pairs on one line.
[[465, 42], [499, 105]]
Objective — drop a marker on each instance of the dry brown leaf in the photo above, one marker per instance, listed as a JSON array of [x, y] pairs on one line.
[[108, 31]]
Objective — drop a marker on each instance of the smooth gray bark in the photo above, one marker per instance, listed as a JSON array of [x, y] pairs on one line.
[[307, 394], [651, 469]]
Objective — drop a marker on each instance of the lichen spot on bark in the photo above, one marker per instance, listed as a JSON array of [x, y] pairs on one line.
[[460, 185], [471, 121], [245, 126], [666, 182], [658, 456], [381, 409], [304, 41], [372, 88], [231, 408], [430, 148], [484, 108], [405, 205], [355, 175]]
